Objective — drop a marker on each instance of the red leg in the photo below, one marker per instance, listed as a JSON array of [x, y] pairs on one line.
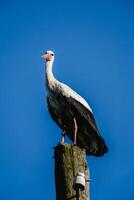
[[75, 131], [63, 136]]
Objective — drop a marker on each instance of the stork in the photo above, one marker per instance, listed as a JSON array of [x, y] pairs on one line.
[[72, 113]]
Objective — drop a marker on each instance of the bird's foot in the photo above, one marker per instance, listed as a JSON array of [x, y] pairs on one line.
[[63, 137]]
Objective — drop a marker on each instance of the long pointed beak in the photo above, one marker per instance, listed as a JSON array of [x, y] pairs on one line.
[[44, 56]]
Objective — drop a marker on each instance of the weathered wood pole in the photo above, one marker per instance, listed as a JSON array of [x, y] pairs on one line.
[[69, 160]]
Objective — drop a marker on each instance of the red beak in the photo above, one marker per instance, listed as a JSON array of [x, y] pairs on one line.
[[46, 56]]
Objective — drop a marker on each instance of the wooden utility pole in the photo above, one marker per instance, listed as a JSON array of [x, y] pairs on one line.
[[69, 160]]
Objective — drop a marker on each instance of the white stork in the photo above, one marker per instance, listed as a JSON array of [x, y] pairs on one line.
[[72, 113]]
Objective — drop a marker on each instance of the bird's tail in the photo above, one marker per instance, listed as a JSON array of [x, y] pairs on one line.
[[98, 147]]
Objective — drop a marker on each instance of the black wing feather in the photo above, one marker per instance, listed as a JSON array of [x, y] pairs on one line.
[[96, 143], [66, 108]]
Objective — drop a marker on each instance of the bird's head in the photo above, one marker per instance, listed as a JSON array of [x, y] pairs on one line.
[[48, 55]]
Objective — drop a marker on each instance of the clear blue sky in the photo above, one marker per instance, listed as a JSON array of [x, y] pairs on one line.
[[94, 45]]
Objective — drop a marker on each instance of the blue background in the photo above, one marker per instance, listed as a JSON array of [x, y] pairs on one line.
[[94, 45]]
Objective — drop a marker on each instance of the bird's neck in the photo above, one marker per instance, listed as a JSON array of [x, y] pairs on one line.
[[50, 79]]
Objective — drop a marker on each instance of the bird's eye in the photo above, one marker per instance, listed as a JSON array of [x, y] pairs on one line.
[[52, 54]]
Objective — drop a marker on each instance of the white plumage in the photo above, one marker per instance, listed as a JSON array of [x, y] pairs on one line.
[[72, 113]]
